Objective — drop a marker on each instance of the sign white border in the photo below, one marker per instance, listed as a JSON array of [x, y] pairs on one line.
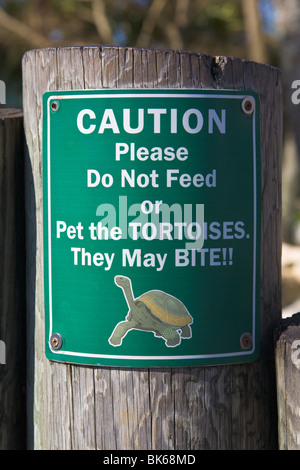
[[90, 95]]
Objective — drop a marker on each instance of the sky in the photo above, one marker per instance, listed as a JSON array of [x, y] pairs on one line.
[[268, 16]]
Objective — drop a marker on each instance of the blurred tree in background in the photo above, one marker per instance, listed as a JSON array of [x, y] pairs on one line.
[[213, 26], [288, 31], [241, 28]]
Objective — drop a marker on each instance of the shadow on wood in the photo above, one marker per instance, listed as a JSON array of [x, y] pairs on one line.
[[12, 282]]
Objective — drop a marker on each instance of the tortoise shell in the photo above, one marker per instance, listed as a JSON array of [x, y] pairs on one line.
[[166, 308]]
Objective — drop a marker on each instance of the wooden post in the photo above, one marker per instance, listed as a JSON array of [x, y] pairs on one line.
[[12, 282], [224, 407], [288, 382]]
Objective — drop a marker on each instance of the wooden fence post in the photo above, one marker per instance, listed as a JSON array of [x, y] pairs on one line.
[[215, 407], [287, 336], [12, 282]]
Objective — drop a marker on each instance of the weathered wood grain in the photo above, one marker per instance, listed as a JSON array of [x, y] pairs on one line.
[[228, 407], [12, 281], [288, 383]]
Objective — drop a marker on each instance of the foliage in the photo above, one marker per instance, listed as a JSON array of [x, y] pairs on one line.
[[212, 26]]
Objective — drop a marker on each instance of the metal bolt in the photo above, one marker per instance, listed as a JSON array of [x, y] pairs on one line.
[[248, 105], [246, 341], [56, 341], [54, 105]]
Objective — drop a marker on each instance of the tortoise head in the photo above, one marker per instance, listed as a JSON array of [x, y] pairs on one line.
[[122, 281], [125, 284]]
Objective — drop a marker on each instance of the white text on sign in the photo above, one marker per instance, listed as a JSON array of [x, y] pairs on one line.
[[160, 119]]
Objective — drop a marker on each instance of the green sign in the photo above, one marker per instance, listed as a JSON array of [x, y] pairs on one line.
[[151, 227]]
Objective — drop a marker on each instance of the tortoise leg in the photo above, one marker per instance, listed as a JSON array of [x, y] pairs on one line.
[[186, 332], [171, 336], [120, 331]]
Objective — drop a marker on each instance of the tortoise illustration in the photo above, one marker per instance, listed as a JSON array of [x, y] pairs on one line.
[[154, 311]]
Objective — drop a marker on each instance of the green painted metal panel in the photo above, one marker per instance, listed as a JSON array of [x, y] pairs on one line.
[[151, 226]]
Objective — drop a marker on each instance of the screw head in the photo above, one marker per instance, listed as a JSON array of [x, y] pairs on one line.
[[56, 341], [54, 105], [246, 341], [248, 105]]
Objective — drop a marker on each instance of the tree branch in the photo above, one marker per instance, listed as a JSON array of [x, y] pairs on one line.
[[254, 35], [174, 36], [101, 23], [149, 23], [181, 20], [181, 13], [21, 29]]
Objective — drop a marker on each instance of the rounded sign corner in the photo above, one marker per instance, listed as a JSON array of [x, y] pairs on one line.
[[151, 226]]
